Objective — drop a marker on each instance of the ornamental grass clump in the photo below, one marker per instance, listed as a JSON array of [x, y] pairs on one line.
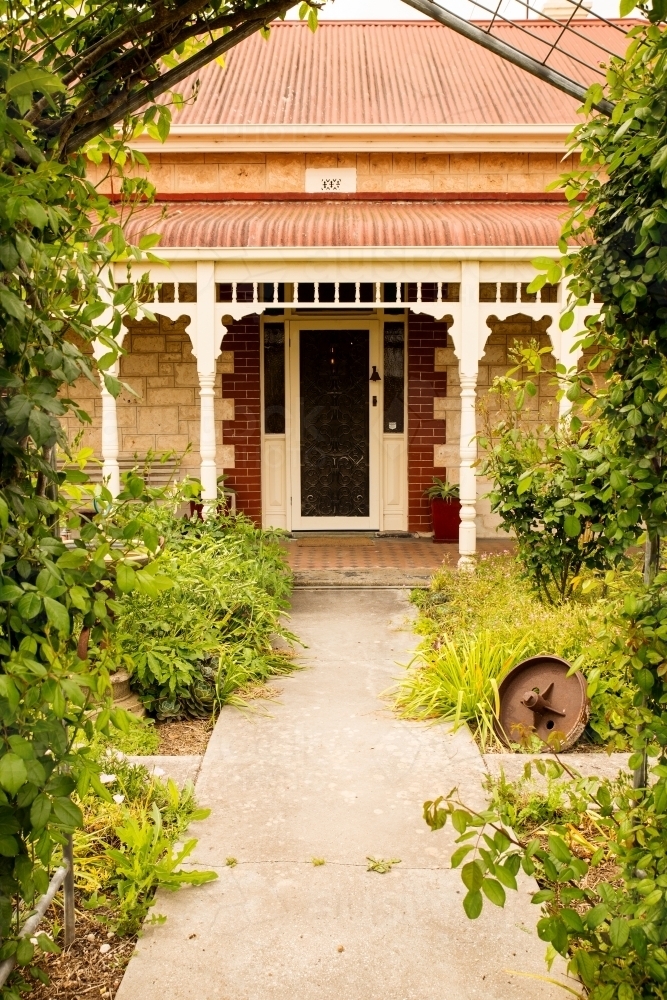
[[458, 683]]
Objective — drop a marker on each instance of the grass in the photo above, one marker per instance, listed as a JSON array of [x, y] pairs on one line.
[[458, 682], [477, 626]]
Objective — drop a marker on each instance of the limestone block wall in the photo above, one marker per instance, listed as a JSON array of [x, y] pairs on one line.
[[200, 173], [164, 414]]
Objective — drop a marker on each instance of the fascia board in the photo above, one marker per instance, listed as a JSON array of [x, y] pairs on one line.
[[361, 255]]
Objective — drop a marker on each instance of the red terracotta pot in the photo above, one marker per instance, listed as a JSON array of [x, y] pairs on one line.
[[446, 517]]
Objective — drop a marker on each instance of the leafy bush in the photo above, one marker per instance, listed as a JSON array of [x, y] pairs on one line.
[[551, 487], [497, 601], [189, 648]]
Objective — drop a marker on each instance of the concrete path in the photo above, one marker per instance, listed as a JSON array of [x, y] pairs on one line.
[[332, 775]]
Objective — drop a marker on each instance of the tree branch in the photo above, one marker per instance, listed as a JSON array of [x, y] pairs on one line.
[[84, 122]]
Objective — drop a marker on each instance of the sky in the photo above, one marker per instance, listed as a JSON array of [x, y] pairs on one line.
[[396, 10]]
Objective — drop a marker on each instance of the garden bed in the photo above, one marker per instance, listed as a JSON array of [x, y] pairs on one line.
[[475, 627]]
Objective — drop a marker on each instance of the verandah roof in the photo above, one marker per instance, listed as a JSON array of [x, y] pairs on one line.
[[276, 224]]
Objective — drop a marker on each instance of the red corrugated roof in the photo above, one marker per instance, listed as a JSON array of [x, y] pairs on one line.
[[390, 73], [352, 224]]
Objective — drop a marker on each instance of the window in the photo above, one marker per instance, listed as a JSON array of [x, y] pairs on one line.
[[394, 382], [274, 378]]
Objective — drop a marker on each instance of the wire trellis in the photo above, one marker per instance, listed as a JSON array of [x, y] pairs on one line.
[[568, 56]]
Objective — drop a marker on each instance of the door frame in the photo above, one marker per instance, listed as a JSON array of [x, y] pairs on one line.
[[293, 328]]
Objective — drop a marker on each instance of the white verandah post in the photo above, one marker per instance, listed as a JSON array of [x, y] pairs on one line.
[[110, 446], [206, 369], [468, 370]]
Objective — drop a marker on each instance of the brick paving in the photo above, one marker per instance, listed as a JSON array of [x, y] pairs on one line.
[[360, 561]]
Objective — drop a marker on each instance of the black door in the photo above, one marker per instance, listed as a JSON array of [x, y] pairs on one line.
[[334, 423]]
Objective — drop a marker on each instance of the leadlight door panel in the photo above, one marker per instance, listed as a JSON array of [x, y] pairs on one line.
[[334, 399]]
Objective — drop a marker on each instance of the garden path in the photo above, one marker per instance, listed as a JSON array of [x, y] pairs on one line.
[[331, 774]]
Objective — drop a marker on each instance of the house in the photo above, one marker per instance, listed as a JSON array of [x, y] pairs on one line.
[[348, 219]]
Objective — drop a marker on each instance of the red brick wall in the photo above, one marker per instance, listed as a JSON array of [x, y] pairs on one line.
[[424, 335], [245, 429]]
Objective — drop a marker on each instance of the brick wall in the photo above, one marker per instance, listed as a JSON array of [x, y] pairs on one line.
[[282, 172], [244, 431], [425, 432]]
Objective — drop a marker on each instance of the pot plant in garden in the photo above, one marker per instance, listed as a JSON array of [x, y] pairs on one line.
[[445, 510]]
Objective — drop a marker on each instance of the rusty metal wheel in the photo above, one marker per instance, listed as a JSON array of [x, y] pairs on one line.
[[538, 697]]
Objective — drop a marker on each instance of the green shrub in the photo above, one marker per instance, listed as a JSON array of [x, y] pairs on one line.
[[189, 648]]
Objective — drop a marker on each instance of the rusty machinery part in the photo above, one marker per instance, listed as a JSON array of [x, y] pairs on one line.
[[538, 697]]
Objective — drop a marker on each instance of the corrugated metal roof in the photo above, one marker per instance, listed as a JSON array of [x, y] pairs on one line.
[[352, 224], [389, 73]]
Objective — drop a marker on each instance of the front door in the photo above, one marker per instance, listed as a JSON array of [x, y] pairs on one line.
[[335, 485]]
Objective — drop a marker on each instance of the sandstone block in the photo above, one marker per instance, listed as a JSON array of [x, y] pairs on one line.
[[224, 409], [454, 183], [403, 163], [440, 408], [159, 381], [370, 182], [165, 369], [139, 443], [171, 442], [170, 396], [322, 161], [408, 182], [139, 364], [126, 417], [242, 177], [225, 456], [157, 419], [226, 363], [503, 163], [432, 163], [487, 182], [285, 172], [464, 163], [186, 374], [147, 343], [346, 160], [363, 163], [380, 163], [190, 176]]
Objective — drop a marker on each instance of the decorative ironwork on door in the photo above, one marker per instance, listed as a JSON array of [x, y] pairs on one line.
[[334, 423]]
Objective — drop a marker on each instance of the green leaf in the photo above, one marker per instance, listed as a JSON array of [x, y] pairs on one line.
[[13, 773], [459, 855], [29, 606], [472, 875], [627, 6], [25, 951], [472, 904], [559, 849], [572, 526], [40, 811], [493, 891], [33, 79], [10, 592], [67, 814], [126, 578], [460, 820], [619, 931], [57, 615]]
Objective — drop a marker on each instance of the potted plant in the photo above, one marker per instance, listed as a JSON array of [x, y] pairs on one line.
[[445, 510]]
